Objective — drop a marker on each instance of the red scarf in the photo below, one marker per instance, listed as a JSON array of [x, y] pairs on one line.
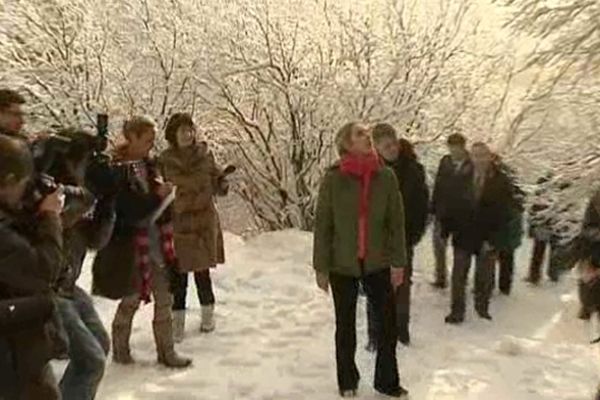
[[362, 167]]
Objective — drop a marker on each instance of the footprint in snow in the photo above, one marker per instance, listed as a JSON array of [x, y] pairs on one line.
[[238, 362], [248, 303], [271, 325]]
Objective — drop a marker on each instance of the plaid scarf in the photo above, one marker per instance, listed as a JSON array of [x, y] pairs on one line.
[[148, 178], [142, 256]]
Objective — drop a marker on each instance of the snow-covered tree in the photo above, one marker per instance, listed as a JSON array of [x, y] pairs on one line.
[[290, 78], [557, 127], [269, 81]]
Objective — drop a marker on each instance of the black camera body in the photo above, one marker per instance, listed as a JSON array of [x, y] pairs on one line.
[[52, 151]]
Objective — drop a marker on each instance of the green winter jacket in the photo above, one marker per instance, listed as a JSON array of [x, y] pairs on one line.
[[336, 227]]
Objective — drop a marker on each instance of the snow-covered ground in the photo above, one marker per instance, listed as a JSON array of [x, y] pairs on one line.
[[274, 339]]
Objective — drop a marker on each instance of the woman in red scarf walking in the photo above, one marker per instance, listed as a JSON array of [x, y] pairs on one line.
[[359, 237]]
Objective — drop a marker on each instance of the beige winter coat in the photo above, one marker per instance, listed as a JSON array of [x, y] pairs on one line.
[[198, 235]]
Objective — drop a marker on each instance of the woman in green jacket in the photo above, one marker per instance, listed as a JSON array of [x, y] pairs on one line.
[[359, 237]]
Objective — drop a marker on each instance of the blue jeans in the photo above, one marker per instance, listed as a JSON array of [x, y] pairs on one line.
[[89, 345]]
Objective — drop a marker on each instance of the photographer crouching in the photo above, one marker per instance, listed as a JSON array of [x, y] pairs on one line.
[[30, 260]]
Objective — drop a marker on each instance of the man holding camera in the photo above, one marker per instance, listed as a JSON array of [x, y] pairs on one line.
[[88, 222], [30, 260]]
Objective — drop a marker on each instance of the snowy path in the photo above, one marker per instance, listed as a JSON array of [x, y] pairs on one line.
[[274, 339]]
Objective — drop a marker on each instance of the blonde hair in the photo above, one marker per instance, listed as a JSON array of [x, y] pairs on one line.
[[342, 138], [137, 125]]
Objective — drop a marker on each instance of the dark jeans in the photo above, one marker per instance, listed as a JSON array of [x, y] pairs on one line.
[[537, 262], [89, 345], [379, 292], [203, 286], [440, 244], [506, 264], [484, 275], [403, 295]]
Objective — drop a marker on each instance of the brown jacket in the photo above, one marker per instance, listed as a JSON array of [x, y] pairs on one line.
[[198, 235]]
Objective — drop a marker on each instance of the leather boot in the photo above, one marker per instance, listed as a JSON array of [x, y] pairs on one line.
[[165, 347], [120, 343]]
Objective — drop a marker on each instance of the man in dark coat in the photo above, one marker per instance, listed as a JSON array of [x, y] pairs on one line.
[[509, 238], [30, 260], [88, 222], [399, 155], [483, 211], [588, 254], [451, 182]]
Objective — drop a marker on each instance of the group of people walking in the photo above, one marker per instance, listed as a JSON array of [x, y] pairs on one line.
[[373, 209], [153, 221], [146, 247]]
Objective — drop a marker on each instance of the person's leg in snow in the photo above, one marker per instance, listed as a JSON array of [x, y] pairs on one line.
[[460, 274], [537, 260], [179, 284], [484, 283], [403, 294], [380, 293], [121, 329], [506, 259], [440, 245], [345, 296], [206, 297], [163, 324], [88, 347]]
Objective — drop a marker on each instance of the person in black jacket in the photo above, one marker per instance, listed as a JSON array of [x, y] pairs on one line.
[[588, 255], [451, 182], [30, 260], [88, 223], [509, 238], [549, 227], [483, 211], [399, 155]]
